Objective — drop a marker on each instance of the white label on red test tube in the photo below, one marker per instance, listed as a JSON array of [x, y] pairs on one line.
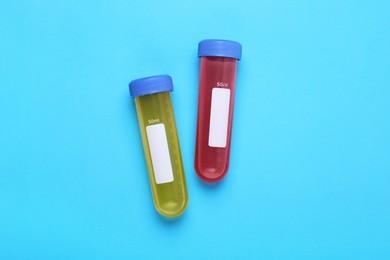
[[219, 115], [159, 152]]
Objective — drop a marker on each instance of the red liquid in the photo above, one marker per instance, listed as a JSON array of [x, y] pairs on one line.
[[212, 163]]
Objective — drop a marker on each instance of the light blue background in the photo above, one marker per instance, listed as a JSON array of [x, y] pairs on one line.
[[310, 161]]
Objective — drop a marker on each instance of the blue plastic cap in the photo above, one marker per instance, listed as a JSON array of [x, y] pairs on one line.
[[220, 48], [150, 85]]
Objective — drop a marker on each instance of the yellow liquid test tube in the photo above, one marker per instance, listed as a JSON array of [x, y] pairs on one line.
[[160, 143]]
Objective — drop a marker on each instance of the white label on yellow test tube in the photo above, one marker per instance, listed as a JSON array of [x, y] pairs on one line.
[[219, 115], [159, 152]]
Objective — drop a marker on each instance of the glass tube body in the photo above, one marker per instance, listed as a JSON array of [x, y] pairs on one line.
[[156, 120], [215, 116]]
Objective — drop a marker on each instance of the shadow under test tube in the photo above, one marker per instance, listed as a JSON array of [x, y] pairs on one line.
[[217, 84]]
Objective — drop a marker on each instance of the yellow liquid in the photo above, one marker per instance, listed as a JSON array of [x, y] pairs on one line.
[[170, 199]]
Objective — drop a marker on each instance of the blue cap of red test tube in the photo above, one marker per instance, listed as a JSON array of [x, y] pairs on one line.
[[220, 48]]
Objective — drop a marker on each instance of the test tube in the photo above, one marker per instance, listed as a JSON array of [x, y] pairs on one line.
[[160, 143], [217, 83]]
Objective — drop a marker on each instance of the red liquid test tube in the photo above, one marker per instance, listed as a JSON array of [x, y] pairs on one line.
[[217, 83]]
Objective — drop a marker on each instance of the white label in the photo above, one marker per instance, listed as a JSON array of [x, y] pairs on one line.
[[159, 152], [219, 116]]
